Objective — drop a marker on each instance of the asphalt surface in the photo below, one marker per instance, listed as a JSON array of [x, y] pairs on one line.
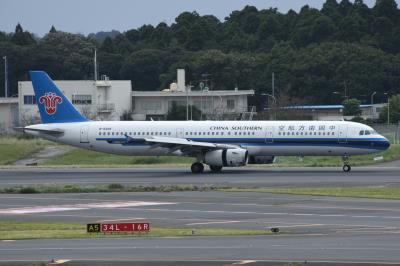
[[325, 229], [247, 177]]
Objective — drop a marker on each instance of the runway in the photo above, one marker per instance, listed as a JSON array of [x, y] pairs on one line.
[[314, 228], [244, 177]]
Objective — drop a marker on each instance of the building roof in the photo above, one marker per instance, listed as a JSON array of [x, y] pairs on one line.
[[322, 107], [8, 100], [192, 93]]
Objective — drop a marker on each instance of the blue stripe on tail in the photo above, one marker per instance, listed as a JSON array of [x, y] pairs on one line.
[[54, 107]]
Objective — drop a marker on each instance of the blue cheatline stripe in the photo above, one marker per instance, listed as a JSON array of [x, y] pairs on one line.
[[371, 143]]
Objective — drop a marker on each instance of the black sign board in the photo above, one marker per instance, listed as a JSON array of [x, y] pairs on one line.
[[93, 228]]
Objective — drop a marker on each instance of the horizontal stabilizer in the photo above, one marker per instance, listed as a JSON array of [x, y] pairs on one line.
[[55, 131]]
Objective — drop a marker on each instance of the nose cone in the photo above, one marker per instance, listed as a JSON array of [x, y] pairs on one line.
[[385, 143]]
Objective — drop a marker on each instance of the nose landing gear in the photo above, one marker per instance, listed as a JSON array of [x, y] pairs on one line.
[[346, 164]]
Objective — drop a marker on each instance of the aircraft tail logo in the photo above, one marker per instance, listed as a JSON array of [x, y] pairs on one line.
[[54, 106], [50, 101]]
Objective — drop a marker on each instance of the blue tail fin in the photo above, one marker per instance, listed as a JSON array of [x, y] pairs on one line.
[[54, 107]]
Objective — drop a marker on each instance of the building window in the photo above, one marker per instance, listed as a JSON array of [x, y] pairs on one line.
[[230, 104], [178, 103], [81, 99], [29, 99], [151, 105]]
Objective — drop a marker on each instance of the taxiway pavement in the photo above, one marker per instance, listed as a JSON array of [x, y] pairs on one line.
[[315, 228], [247, 176]]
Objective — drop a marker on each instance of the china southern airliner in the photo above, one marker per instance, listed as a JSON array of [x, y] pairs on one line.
[[215, 143]]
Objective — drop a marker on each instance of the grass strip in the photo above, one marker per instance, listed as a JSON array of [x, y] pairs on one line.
[[13, 149], [10, 230], [359, 192], [355, 192], [114, 187]]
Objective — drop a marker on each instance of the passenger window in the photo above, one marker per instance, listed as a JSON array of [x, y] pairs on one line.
[[229, 133]]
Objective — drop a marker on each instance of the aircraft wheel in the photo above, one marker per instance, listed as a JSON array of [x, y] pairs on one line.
[[197, 168], [346, 168], [215, 168]]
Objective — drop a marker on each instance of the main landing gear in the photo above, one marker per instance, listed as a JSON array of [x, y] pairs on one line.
[[197, 168], [346, 164]]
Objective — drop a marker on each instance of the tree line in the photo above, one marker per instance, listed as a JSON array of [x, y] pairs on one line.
[[317, 56]]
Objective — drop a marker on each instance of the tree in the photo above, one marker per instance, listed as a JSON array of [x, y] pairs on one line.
[[394, 110], [21, 37], [351, 107], [144, 68], [178, 112], [53, 29]]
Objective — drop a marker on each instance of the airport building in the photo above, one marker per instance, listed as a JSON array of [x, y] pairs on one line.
[[101, 100], [334, 112], [8, 114], [115, 100]]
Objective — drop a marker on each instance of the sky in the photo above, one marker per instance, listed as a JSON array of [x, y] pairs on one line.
[[91, 16]]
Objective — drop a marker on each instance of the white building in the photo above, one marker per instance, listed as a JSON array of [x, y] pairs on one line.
[[214, 105], [334, 112], [101, 100], [8, 114]]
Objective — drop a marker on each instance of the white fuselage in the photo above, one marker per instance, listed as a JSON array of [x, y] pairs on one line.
[[260, 138]]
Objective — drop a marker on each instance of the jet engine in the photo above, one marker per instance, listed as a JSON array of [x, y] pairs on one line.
[[228, 157]]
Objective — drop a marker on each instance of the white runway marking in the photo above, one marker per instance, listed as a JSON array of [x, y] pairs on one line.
[[216, 222], [74, 207]]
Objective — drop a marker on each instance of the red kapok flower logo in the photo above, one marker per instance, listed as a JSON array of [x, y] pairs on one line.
[[50, 100]]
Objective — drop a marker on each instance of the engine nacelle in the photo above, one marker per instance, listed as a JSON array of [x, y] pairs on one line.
[[261, 159], [229, 157]]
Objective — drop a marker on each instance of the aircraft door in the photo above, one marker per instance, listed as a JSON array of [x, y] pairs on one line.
[[342, 134], [84, 135], [269, 134], [180, 133]]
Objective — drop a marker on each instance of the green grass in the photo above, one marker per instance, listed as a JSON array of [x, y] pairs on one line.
[[85, 157], [13, 149], [113, 187], [393, 153], [355, 192], [10, 230]]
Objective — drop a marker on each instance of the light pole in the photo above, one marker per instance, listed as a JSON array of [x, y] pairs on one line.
[[372, 103], [388, 108], [273, 98], [5, 77]]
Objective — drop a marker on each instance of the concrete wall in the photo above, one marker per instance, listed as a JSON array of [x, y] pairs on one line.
[[8, 114]]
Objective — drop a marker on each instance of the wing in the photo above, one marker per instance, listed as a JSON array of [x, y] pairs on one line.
[[186, 146]]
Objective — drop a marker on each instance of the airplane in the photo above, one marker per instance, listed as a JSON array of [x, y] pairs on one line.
[[217, 144]]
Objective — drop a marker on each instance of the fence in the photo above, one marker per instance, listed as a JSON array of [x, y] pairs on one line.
[[390, 131]]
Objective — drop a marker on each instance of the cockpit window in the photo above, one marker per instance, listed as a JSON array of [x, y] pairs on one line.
[[361, 132], [367, 132]]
